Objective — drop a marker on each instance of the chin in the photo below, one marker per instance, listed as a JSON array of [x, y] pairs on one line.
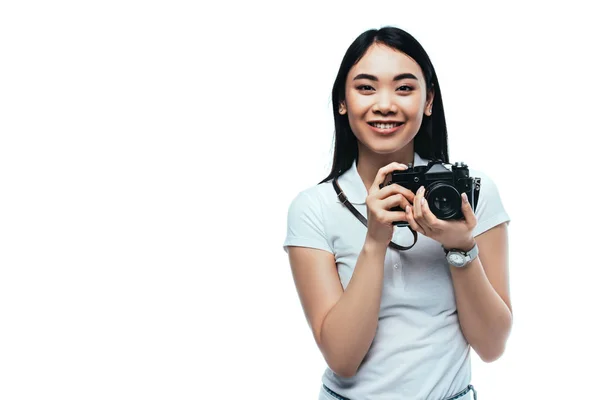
[[386, 151], [387, 148]]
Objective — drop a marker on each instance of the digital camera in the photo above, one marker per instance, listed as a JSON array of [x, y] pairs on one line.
[[443, 186]]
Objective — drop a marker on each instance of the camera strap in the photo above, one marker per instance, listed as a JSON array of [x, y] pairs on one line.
[[361, 218]]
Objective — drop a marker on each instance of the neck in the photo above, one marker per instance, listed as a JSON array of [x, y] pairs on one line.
[[369, 163]]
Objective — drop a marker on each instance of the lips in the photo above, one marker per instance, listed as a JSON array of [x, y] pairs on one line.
[[386, 128], [385, 124]]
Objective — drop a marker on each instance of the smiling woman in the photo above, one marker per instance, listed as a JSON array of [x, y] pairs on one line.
[[368, 92], [395, 321], [379, 101]]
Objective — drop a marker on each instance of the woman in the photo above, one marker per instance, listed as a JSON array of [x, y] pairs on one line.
[[396, 321]]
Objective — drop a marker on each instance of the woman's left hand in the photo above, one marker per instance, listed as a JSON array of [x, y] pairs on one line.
[[452, 234]]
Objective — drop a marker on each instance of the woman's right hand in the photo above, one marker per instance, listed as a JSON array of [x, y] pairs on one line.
[[380, 228]]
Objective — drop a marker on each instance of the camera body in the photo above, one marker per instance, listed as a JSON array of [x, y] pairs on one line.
[[443, 184]]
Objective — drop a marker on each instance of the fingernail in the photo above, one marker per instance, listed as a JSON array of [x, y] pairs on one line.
[[464, 197]]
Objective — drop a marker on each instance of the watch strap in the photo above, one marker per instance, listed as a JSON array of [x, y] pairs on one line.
[[471, 254]]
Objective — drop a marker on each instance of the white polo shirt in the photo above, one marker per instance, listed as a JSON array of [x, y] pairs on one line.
[[419, 351]]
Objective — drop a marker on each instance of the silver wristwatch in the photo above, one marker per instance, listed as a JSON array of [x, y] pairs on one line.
[[459, 258]]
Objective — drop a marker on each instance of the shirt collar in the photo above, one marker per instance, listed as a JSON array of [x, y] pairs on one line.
[[354, 188]]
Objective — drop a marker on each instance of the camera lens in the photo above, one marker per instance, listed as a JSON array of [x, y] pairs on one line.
[[444, 200]]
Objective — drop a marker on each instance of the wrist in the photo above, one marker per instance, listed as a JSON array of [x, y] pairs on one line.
[[373, 246], [462, 256], [465, 245]]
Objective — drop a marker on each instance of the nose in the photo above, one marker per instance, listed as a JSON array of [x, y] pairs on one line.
[[385, 104]]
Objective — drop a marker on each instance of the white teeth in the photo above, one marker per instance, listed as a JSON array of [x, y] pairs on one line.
[[385, 126]]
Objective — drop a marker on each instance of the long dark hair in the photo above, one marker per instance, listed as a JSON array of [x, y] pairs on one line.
[[431, 141]]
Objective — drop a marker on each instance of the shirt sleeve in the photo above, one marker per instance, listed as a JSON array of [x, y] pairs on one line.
[[305, 225], [490, 210]]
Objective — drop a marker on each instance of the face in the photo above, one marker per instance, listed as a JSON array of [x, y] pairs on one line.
[[386, 98]]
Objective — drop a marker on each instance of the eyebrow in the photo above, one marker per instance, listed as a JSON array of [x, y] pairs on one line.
[[405, 75]]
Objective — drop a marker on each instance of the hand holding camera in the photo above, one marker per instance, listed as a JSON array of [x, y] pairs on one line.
[[442, 206], [385, 205]]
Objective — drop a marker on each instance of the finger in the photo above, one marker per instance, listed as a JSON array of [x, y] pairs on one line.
[[395, 200], [394, 189], [411, 221], [418, 214], [468, 212], [382, 173], [388, 217], [428, 216]]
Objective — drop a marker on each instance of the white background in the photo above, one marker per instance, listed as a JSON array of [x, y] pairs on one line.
[[149, 152]]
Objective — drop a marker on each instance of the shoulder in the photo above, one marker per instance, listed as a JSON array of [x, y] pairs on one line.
[[316, 196], [488, 186], [311, 205], [490, 210], [306, 219]]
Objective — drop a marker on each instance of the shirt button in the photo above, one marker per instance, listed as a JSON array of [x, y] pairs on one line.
[[396, 265]]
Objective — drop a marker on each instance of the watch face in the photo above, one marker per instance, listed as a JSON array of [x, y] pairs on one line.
[[456, 259]]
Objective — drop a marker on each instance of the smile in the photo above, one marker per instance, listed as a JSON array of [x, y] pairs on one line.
[[386, 128], [382, 125]]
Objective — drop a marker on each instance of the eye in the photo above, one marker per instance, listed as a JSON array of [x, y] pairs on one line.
[[364, 87], [370, 88]]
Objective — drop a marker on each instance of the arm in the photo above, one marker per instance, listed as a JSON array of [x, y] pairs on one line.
[[482, 295], [481, 287], [343, 322]]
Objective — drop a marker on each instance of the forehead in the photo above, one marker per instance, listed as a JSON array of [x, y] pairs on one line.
[[385, 63]]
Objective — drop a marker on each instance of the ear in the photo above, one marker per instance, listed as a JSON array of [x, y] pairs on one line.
[[342, 109], [429, 102]]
